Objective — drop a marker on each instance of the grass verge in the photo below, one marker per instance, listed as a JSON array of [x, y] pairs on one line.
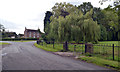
[[101, 62], [2, 43], [48, 47], [24, 41]]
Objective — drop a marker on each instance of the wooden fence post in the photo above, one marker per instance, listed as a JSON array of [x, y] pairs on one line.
[[74, 47], [82, 48], [53, 44], [113, 51]]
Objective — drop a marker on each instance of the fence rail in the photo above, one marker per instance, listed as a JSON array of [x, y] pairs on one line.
[[107, 51]]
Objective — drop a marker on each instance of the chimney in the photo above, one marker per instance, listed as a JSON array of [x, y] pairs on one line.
[[25, 28]]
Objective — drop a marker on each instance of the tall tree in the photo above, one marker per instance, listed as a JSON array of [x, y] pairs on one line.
[[116, 4], [63, 9], [103, 33], [85, 7], [110, 21], [60, 28], [75, 25], [48, 14], [90, 28], [2, 28]]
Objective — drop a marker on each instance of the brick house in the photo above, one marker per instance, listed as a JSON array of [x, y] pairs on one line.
[[30, 33]]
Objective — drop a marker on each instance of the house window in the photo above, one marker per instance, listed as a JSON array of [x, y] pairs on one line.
[[34, 33], [38, 33], [34, 36], [29, 34], [25, 34]]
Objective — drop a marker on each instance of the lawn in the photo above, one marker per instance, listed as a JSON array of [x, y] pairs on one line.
[[24, 41], [2, 43], [109, 42]]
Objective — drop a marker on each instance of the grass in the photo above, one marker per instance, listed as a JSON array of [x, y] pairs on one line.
[[49, 47], [106, 52], [2, 43], [101, 62], [24, 41], [57, 47], [109, 42]]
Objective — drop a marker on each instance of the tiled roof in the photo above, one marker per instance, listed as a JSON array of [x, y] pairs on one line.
[[31, 30]]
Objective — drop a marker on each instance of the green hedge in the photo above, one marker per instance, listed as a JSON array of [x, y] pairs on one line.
[[16, 39]]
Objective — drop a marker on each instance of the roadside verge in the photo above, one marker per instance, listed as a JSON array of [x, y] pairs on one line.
[[95, 60]]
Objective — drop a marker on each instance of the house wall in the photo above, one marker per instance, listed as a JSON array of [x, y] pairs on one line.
[[32, 34]]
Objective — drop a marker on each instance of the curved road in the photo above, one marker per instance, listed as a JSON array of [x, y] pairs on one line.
[[25, 56]]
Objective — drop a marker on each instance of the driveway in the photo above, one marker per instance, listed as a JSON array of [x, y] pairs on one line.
[[25, 56]]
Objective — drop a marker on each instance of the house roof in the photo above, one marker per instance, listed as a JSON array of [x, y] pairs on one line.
[[31, 30]]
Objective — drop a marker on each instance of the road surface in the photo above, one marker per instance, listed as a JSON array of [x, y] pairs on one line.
[[25, 56]]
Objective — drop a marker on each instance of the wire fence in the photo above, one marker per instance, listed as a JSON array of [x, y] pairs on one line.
[[106, 51]]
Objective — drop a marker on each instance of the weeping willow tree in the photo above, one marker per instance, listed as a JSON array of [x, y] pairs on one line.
[[90, 29], [73, 25], [74, 20]]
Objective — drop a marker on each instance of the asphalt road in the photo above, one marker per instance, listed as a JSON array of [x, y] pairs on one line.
[[25, 56]]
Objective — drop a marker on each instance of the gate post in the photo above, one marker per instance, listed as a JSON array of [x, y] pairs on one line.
[[113, 51], [88, 48]]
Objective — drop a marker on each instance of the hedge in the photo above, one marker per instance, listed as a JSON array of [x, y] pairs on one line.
[[15, 39]]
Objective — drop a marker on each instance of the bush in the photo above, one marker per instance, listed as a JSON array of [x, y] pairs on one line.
[[88, 54]]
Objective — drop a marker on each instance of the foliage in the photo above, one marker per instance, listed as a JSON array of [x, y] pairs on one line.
[[8, 34], [48, 14], [110, 20], [70, 27], [103, 33], [62, 9], [2, 28], [85, 7], [115, 2], [82, 23]]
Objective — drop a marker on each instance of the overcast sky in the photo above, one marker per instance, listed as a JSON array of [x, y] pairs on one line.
[[15, 15]]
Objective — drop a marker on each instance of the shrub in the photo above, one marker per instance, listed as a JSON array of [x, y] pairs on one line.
[[88, 54]]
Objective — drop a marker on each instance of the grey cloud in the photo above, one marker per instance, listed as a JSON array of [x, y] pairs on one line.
[[8, 24]]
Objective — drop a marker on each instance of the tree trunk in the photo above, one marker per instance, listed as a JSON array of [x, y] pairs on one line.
[[53, 44], [65, 46]]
